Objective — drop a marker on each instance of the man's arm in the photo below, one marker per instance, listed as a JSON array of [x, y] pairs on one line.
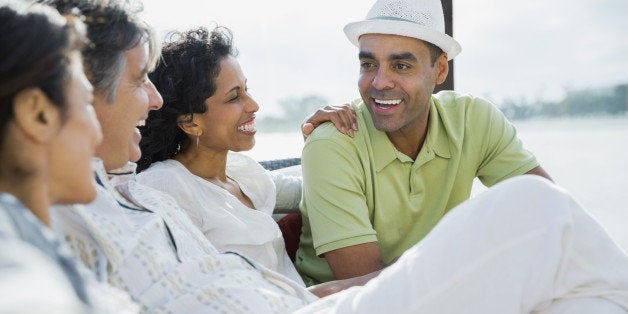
[[539, 171], [504, 155], [337, 208], [356, 260], [362, 259], [331, 287]]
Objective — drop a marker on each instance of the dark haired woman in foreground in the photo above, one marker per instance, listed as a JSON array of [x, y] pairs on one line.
[[48, 133]]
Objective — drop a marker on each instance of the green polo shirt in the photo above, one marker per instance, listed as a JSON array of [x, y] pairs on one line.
[[361, 189]]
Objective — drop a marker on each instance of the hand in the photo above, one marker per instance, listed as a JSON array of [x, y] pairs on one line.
[[343, 117]]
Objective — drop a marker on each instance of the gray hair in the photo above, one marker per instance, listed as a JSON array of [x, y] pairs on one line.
[[113, 27]]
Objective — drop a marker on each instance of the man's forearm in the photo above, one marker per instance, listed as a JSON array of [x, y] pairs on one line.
[[331, 287]]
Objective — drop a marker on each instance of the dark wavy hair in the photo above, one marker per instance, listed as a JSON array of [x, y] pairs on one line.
[[36, 44], [185, 78], [113, 27]]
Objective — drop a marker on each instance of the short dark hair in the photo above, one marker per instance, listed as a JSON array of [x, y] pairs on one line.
[[185, 78], [36, 46], [113, 27], [435, 51]]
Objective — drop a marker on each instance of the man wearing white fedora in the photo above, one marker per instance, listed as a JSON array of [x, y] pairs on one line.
[[141, 240], [370, 197]]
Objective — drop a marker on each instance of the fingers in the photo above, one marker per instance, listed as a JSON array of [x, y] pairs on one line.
[[343, 118], [307, 129]]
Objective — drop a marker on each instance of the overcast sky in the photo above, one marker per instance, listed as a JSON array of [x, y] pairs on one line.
[[532, 49]]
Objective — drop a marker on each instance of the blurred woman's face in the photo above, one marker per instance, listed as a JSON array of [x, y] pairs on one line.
[[71, 152]]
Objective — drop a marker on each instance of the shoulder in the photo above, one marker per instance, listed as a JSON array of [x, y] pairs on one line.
[[462, 112], [250, 175], [237, 160], [168, 166], [167, 175], [453, 102], [33, 282], [327, 130], [7, 204], [241, 167], [85, 219], [148, 196]]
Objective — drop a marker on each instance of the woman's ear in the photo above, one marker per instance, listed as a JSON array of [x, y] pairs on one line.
[[35, 115], [187, 124]]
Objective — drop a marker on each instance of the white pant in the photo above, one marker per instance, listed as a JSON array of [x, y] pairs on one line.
[[523, 246]]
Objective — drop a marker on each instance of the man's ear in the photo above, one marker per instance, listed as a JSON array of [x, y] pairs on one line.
[[187, 124], [34, 113], [442, 68]]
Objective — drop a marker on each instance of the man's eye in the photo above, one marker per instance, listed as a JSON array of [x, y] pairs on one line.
[[366, 65], [401, 66]]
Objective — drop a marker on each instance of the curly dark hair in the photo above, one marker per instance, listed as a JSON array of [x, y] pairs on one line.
[[35, 52], [185, 78]]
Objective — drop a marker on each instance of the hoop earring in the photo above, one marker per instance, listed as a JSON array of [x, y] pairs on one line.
[[197, 138]]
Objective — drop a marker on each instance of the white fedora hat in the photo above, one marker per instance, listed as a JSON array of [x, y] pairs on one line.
[[421, 19]]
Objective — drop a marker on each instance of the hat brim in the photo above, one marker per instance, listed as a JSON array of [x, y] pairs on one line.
[[402, 28]]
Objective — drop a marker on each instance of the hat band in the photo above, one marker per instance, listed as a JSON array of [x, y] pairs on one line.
[[392, 18]]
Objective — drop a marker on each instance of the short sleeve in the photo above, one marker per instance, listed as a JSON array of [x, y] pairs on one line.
[[333, 194], [504, 155], [288, 185]]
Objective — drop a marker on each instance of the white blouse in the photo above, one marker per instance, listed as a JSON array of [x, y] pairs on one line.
[[140, 240], [224, 220]]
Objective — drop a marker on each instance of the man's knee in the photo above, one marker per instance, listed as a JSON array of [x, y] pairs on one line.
[[527, 200], [534, 193]]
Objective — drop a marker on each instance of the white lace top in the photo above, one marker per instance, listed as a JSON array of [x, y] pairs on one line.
[[224, 220], [140, 240]]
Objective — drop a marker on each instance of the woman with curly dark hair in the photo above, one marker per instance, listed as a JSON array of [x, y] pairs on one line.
[[190, 148]]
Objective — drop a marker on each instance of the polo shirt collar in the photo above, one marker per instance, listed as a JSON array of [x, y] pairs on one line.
[[436, 142], [437, 139]]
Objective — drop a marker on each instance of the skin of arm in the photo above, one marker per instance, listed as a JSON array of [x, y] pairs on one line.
[[356, 260], [331, 287], [539, 171]]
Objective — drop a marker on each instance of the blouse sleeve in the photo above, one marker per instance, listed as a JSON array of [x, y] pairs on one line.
[[288, 184]]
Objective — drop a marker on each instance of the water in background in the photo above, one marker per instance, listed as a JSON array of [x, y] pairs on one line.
[[588, 157]]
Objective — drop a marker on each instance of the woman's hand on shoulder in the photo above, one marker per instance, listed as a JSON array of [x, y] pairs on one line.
[[342, 116]]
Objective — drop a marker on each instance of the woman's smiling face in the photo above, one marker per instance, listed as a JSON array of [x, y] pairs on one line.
[[229, 122]]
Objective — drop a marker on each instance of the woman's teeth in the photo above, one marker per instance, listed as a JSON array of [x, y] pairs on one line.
[[249, 127]]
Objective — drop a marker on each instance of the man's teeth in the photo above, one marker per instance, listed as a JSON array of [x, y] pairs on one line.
[[249, 127], [391, 102]]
